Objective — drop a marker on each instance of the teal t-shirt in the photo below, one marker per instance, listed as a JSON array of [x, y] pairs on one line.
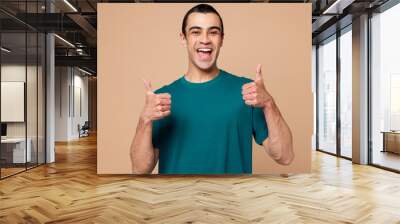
[[210, 128]]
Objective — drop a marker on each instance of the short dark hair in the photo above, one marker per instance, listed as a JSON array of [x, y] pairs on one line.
[[201, 8]]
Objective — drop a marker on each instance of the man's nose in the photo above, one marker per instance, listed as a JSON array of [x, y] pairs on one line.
[[204, 38]]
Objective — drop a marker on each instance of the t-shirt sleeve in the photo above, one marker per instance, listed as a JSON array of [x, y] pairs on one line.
[[260, 127]]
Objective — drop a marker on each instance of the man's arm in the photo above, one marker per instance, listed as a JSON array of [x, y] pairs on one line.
[[279, 144], [143, 155]]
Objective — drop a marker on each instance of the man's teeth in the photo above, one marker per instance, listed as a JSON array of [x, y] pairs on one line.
[[204, 50]]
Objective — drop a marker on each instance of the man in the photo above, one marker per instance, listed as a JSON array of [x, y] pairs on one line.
[[203, 123]]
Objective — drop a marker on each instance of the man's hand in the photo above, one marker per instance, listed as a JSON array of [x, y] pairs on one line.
[[279, 144], [157, 106], [254, 93]]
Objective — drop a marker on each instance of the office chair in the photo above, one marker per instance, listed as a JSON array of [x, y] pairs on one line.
[[84, 130]]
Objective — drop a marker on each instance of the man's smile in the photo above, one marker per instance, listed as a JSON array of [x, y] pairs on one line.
[[204, 54]]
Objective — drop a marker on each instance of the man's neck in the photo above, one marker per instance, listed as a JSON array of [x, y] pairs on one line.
[[198, 75]]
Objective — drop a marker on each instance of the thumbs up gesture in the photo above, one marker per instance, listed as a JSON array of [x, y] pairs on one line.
[[254, 93], [156, 106]]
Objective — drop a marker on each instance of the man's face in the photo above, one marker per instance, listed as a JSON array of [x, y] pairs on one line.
[[203, 39]]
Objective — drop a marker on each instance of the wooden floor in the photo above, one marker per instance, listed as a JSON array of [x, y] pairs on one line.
[[8, 171], [5, 172], [69, 191]]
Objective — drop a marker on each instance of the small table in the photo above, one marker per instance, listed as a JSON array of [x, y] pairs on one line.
[[391, 141], [13, 150]]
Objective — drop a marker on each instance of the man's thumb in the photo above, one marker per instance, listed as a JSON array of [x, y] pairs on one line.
[[147, 85], [258, 73]]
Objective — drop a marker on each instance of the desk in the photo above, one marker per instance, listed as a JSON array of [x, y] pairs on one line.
[[15, 148], [391, 141]]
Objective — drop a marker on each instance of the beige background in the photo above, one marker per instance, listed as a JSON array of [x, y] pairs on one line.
[[142, 40]]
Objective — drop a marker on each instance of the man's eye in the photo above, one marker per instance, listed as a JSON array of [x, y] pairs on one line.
[[196, 32], [214, 32]]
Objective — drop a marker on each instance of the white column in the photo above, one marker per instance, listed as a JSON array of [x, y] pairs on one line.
[[50, 100], [360, 90], [50, 91]]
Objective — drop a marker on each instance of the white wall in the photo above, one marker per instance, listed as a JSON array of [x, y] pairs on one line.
[[79, 117], [15, 72], [70, 83], [62, 80]]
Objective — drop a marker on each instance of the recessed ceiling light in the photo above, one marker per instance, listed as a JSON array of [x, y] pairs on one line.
[[5, 50], [84, 71], [338, 6], [70, 5], [64, 40]]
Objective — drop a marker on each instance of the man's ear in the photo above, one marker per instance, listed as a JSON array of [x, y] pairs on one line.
[[183, 39]]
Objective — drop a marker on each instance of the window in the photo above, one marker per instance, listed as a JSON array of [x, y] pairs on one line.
[[385, 88], [346, 93], [327, 95]]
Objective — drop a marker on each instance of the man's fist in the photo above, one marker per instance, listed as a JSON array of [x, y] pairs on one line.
[[157, 106], [255, 93]]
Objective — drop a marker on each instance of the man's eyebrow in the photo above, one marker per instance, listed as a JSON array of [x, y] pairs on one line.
[[194, 27], [215, 27], [198, 27]]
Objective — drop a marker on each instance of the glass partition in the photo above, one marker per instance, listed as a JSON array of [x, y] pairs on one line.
[[13, 94], [31, 100], [22, 77]]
